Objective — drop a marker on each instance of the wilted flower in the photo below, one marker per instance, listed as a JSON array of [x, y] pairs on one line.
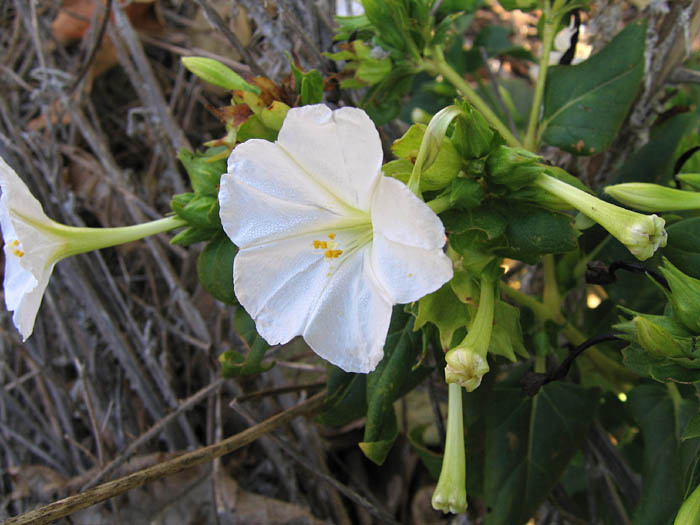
[[641, 234], [467, 362], [326, 243], [34, 244]]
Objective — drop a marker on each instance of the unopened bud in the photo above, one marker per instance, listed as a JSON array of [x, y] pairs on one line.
[[216, 73], [513, 167], [644, 196], [684, 296]]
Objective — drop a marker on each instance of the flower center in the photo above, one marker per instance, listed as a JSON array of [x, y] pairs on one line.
[[14, 245], [330, 247]]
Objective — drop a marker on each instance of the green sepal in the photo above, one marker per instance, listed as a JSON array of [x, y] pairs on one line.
[[215, 268], [446, 166], [201, 211], [235, 364], [472, 136], [191, 235], [465, 193], [204, 173]]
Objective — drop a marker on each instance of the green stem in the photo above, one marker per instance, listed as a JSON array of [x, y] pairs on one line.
[[88, 239], [551, 21], [609, 368], [439, 204], [550, 296], [438, 65]]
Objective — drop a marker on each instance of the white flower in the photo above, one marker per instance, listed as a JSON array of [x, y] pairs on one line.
[[34, 244], [29, 250], [327, 244]]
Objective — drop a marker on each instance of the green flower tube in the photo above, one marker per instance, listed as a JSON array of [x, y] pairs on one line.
[[451, 494], [644, 196], [466, 363], [641, 234]]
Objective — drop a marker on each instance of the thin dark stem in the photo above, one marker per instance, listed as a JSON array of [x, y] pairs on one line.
[[532, 382], [95, 46], [598, 273]]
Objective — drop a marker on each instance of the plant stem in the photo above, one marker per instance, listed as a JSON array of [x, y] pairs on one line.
[[551, 17], [439, 204], [438, 65], [550, 296], [88, 239], [610, 369], [90, 497]]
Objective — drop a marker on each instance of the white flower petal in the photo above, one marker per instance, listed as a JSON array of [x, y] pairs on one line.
[[29, 252], [351, 319], [402, 217], [279, 283], [266, 196], [341, 149], [408, 273]]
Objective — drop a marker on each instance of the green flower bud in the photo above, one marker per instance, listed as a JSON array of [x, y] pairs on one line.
[[659, 335], [656, 339], [691, 179], [467, 364], [450, 494], [684, 296], [689, 513], [641, 234], [216, 73], [513, 167], [644, 196]]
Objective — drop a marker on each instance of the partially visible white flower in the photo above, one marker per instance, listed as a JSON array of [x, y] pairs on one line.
[[34, 244], [327, 244], [348, 8]]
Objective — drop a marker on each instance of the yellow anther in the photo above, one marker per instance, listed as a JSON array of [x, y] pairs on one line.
[[14, 243], [18, 253], [331, 236], [323, 245], [332, 254]]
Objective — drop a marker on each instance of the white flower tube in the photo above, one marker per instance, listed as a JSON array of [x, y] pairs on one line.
[[327, 244], [34, 244]]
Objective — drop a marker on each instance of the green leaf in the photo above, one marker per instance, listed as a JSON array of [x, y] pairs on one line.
[[529, 443], [234, 364], [692, 429], [203, 172], [662, 369], [394, 376], [533, 232], [431, 460], [661, 416], [683, 246], [191, 235], [215, 268], [444, 310], [585, 104], [311, 87], [347, 398]]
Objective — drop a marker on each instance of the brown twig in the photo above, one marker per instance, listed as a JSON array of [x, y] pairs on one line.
[[72, 504]]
